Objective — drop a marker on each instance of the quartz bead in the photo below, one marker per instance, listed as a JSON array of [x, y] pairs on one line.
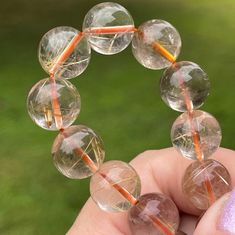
[[77, 152], [109, 28], [205, 182], [154, 214], [184, 86], [152, 43], [53, 104], [56, 42], [115, 186], [196, 135]]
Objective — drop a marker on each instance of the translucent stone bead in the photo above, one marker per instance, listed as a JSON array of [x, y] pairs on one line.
[[60, 41], [53, 105], [115, 186], [205, 182], [184, 86], [153, 42], [77, 152], [196, 135], [109, 27], [154, 214]]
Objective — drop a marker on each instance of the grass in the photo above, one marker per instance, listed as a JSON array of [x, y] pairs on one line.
[[120, 101]]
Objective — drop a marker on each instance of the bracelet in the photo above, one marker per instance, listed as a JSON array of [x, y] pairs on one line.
[[78, 152]]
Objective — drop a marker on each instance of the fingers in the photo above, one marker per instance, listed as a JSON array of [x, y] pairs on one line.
[[163, 170], [159, 171], [187, 224], [219, 219], [92, 220]]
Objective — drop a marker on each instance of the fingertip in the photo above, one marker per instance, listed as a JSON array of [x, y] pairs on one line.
[[210, 221]]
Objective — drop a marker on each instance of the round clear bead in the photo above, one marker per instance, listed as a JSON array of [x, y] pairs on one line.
[[53, 104], [109, 27], [52, 46], [196, 135], [154, 214], [205, 182], [184, 86], [115, 186], [78, 152], [151, 40]]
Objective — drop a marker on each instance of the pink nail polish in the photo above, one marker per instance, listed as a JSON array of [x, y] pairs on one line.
[[227, 219]]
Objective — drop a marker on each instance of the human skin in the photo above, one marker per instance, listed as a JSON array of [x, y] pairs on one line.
[[160, 171]]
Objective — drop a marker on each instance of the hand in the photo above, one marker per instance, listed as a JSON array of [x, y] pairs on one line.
[[162, 172]]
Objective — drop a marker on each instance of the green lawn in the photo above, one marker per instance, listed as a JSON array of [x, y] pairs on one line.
[[120, 101]]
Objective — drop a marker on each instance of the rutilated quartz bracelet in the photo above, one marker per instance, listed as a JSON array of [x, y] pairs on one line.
[[54, 104]]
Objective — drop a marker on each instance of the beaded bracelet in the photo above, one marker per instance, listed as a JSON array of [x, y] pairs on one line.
[[54, 104]]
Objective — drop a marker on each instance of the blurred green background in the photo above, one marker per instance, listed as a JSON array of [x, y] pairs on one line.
[[120, 100]]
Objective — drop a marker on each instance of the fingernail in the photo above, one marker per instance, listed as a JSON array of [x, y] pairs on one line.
[[227, 218]]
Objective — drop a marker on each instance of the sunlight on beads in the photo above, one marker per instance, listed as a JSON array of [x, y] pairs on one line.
[[156, 44], [77, 152], [41, 103], [114, 186], [52, 46], [205, 182], [154, 214], [198, 131], [109, 27], [184, 86]]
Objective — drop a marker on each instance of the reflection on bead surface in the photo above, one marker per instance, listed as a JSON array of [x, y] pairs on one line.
[[196, 133], [54, 43], [115, 186], [44, 94], [154, 214], [77, 152], [149, 40], [205, 182], [184, 86], [109, 16]]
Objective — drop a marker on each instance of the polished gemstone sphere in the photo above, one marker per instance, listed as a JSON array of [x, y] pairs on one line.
[[109, 28], [154, 214], [184, 86], [77, 152], [115, 187], [205, 182], [154, 42], [196, 135], [64, 52], [53, 104]]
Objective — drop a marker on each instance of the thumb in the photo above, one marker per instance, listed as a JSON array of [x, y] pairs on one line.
[[219, 219]]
